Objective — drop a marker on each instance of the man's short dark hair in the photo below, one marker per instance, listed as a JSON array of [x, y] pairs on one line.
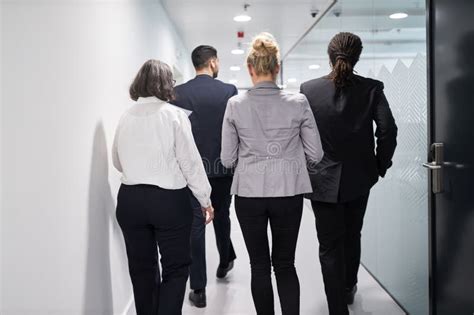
[[201, 56]]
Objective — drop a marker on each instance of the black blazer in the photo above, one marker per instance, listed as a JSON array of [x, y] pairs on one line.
[[351, 164], [207, 99]]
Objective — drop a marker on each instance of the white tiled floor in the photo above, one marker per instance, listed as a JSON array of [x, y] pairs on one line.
[[232, 296]]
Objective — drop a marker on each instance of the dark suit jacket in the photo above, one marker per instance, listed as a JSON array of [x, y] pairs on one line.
[[351, 164], [207, 99]]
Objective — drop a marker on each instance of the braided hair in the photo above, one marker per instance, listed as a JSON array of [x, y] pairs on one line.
[[344, 51]]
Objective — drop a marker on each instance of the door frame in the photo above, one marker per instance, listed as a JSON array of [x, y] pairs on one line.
[[430, 22]]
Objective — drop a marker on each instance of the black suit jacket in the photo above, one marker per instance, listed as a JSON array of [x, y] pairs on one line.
[[207, 99], [351, 164]]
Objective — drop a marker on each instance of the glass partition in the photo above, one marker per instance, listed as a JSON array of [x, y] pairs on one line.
[[395, 235]]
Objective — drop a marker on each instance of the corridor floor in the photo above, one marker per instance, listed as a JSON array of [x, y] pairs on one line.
[[232, 296]]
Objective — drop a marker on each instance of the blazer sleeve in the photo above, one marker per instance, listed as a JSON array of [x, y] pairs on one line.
[[309, 134], [386, 131], [230, 139], [190, 161]]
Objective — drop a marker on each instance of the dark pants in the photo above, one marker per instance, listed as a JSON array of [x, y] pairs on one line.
[[339, 228], [221, 199], [149, 215], [284, 215]]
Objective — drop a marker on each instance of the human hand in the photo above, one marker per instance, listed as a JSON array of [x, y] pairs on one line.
[[208, 213]]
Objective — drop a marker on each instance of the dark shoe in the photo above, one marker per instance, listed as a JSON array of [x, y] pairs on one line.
[[222, 272], [350, 295], [198, 298]]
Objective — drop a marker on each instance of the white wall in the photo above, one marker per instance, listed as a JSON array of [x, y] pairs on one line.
[[65, 70]]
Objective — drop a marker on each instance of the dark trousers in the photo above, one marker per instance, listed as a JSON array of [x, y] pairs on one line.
[[339, 228], [151, 216], [284, 215], [221, 199]]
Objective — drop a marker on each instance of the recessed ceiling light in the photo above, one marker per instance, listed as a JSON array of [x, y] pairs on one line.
[[314, 67], [242, 18], [237, 51], [233, 81], [292, 80], [398, 16], [234, 68]]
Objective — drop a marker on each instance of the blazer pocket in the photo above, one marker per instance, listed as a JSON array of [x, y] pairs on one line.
[[325, 176]]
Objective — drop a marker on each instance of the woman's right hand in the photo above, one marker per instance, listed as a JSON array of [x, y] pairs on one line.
[[208, 213]]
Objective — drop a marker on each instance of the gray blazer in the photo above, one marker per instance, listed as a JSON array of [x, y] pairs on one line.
[[269, 135]]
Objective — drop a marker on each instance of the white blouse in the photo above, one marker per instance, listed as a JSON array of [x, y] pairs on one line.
[[154, 145]]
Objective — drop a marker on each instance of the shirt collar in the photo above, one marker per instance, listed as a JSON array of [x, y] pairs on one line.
[[204, 76], [150, 99], [266, 85]]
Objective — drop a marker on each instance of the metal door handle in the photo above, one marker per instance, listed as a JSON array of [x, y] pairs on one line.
[[432, 166], [436, 167]]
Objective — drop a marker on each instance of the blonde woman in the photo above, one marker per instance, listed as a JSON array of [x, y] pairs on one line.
[[269, 135]]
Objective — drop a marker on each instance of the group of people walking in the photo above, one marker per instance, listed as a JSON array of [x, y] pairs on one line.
[[269, 148]]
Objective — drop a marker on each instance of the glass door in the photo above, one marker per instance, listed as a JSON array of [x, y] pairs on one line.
[[395, 236]]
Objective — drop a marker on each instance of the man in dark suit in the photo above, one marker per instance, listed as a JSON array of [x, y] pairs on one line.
[[345, 107], [207, 98]]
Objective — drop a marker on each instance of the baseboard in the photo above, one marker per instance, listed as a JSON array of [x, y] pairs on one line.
[[385, 289]]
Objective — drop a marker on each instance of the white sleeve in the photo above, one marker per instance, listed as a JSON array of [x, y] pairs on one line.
[[115, 155], [190, 161]]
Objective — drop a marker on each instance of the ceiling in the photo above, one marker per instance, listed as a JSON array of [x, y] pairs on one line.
[[211, 22]]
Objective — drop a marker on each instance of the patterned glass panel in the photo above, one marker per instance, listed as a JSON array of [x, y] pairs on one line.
[[395, 236]]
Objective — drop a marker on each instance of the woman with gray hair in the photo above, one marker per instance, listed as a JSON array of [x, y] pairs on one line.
[[155, 151]]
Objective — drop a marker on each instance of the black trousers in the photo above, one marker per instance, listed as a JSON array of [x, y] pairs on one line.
[[149, 215], [284, 215], [339, 227], [221, 199]]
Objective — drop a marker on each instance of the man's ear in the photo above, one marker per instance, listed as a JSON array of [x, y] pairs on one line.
[[213, 62]]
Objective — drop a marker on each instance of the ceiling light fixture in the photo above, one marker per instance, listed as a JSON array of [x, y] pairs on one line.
[[314, 67], [244, 17], [234, 68], [292, 80], [238, 50], [398, 16]]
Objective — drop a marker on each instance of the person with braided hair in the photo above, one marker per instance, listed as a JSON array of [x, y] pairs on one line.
[[345, 106]]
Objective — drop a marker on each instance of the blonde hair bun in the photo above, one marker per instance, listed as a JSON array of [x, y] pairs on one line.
[[264, 54], [265, 44]]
